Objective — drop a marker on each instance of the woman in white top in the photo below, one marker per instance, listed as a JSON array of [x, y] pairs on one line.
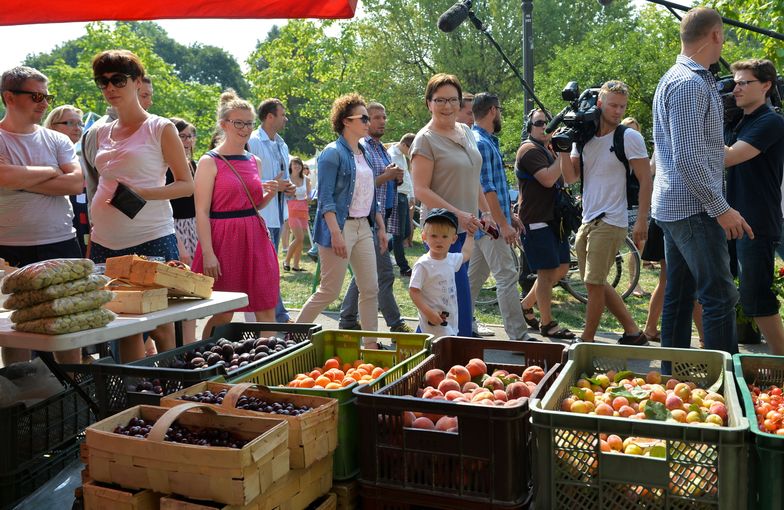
[[298, 213], [135, 149]]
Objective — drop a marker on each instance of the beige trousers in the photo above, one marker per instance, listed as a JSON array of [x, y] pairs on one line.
[[362, 256]]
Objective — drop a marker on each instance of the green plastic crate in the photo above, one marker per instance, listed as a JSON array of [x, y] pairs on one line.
[[702, 465], [766, 459], [410, 350]]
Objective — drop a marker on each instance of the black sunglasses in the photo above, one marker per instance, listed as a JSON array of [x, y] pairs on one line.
[[119, 80], [539, 123], [364, 118], [37, 97]]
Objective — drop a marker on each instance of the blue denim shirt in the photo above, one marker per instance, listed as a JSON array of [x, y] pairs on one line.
[[337, 174]]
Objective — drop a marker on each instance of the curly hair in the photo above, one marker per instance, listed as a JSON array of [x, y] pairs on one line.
[[342, 108]]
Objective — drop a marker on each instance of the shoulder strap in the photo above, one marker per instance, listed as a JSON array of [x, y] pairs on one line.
[[242, 181], [618, 147]]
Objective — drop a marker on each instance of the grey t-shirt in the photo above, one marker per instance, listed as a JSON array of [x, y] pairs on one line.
[[33, 219], [456, 167]]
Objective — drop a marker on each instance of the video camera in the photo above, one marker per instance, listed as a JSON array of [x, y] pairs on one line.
[[581, 118], [732, 114]]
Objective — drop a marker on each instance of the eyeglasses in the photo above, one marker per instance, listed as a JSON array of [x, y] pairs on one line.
[[364, 118], [441, 101], [37, 97], [119, 80], [743, 83], [72, 123], [238, 124], [191, 137], [539, 123]]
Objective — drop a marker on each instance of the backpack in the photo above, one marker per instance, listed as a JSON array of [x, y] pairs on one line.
[[632, 184]]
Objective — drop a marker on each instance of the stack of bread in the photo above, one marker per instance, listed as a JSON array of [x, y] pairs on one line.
[[57, 296]]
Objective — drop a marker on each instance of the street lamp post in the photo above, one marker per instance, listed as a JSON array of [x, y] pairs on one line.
[[528, 53]]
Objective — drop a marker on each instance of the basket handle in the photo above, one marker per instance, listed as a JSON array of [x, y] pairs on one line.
[[170, 416], [236, 391]]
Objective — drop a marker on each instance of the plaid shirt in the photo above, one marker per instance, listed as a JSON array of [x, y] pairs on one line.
[[386, 194], [687, 129], [492, 175]]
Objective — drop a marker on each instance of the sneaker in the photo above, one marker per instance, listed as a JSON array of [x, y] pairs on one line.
[[356, 326], [483, 330], [636, 339], [401, 328], [313, 255]]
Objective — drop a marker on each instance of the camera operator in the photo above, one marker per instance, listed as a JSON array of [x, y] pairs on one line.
[[688, 203], [605, 219], [754, 158]]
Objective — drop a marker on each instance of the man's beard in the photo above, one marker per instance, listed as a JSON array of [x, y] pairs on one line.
[[497, 125]]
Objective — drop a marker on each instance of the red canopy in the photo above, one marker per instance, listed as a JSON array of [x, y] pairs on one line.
[[20, 12]]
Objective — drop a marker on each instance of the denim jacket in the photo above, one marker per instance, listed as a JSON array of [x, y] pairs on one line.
[[337, 174]]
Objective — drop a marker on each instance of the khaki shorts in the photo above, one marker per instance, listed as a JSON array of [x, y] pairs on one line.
[[596, 245]]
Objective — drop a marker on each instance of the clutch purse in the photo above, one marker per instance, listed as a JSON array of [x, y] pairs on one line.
[[127, 201]]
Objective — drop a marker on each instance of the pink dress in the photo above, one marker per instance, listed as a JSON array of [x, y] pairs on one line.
[[247, 258]]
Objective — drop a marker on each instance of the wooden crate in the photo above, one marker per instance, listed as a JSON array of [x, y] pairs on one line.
[[328, 502], [98, 496], [226, 475], [129, 298], [347, 495], [146, 273], [312, 436]]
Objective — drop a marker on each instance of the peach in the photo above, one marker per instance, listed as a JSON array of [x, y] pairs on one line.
[[460, 374], [653, 377], [566, 405], [500, 395], [499, 373], [452, 395], [476, 367], [461, 399], [408, 418], [579, 406], [533, 373], [618, 402], [605, 446], [493, 383], [673, 402], [431, 392], [483, 395], [671, 383], [434, 377], [679, 415], [683, 391], [658, 395], [720, 409], [445, 423], [512, 402], [615, 442], [604, 410], [626, 411], [531, 386], [448, 385], [470, 386], [513, 377], [714, 419], [518, 390], [423, 423]]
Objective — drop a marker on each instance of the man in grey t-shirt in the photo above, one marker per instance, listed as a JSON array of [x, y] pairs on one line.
[[38, 170]]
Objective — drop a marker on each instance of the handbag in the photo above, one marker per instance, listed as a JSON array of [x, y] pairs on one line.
[[247, 192], [127, 201]]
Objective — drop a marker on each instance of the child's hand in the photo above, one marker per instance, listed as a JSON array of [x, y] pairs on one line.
[[433, 318]]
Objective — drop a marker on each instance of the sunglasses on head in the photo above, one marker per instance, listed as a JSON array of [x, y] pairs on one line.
[[37, 97], [364, 118], [119, 80]]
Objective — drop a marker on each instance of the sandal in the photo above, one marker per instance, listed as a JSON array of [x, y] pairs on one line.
[[530, 317], [656, 337], [298, 269], [559, 333], [286, 267]]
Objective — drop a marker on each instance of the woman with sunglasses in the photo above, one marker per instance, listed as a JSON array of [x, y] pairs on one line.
[[67, 119], [135, 149], [234, 245], [346, 215], [445, 168]]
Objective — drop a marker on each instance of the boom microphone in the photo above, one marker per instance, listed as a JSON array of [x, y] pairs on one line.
[[454, 16]]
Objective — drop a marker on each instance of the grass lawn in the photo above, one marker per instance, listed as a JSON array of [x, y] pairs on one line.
[[296, 288]]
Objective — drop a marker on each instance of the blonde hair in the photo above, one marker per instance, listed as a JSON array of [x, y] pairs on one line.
[[613, 86], [58, 113], [438, 226], [230, 101], [631, 120]]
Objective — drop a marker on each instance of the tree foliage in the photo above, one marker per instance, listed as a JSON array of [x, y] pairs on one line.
[[768, 14]]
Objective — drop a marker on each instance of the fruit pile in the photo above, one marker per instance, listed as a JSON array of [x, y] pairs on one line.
[[622, 394], [232, 355], [769, 408], [335, 375], [470, 384], [633, 446], [249, 403], [140, 428]]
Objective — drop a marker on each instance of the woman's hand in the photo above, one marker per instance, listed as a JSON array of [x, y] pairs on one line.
[[383, 242], [468, 222], [270, 186], [211, 265], [339, 245]]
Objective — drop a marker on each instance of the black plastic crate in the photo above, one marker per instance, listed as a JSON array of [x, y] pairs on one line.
[[375, 497], [486, 463], [22, 482], [27, 432], [116, 383]]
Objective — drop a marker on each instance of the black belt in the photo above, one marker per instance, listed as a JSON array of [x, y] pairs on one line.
[[224, 215], [357, 217]]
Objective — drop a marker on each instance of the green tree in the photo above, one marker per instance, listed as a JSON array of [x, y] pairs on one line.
[[767, 14]]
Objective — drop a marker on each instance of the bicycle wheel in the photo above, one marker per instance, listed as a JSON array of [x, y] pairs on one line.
[[487, 294], [624, 273]]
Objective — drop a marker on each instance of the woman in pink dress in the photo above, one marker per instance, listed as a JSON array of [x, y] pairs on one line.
[[234, 246]]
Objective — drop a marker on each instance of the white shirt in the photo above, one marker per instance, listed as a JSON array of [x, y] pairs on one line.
[[274, 156], [397, 157], [436, 280], [364, 189], [604, 177]]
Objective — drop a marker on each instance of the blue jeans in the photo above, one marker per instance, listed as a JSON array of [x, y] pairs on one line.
[[386, 297], [698, 265], [396, 241], [281, 314]]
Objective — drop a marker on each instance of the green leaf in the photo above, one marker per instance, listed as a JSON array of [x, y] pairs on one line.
[[633, 395], [578, 392], [657, 411], [590, 380], [624, 374], [703, 413]]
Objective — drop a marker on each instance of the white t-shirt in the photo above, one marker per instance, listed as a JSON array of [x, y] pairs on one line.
[[604, 176], [364, 189], [138, 161], [33, 219], [436, 280]]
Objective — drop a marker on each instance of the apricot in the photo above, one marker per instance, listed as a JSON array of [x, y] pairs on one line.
[[434, 377], [671, 383], [423, 423], [333, 386], [653, 377], [476, 367], [307, 382], [626, 411], [460, 374], [673, 402], [679, 415], [720, 409], [604, 410], [448, 385], [331, 363], [615, 442], [683, 391], [619, 402], [377, 372]]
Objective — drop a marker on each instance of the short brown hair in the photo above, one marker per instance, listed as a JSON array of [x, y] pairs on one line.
[[762, 69], [441, 80], [341, 109], [375, 105], [118, 61], [698, 23], [408, 139], [269, 106], [467, 98]]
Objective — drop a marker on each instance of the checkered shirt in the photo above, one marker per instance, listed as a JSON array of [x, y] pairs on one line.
[[492, 176], [378, 159]]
